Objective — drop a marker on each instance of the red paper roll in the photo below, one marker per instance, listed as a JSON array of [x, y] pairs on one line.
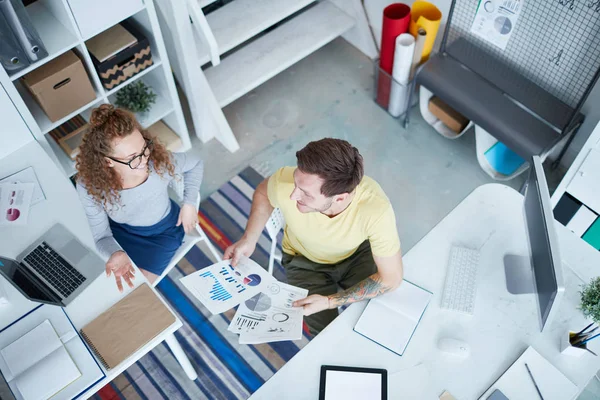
[[396, 19]]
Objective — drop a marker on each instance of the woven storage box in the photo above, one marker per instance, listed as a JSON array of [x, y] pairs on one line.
[[125, 64]]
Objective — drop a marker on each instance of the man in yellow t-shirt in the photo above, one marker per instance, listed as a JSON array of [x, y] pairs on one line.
[[340, 230]]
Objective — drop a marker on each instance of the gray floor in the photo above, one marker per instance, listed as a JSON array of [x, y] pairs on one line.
[[330, 94]]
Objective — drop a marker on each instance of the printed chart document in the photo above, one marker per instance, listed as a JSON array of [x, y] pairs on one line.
[[221, 287], [15, 200], [27, 175], [495, 20], [269, 316], [39, 363], [391, 319]]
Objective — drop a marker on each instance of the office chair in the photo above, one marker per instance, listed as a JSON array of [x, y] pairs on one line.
[[275, 223]]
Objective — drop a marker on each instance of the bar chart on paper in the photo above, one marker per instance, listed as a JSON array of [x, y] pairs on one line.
[[218, 292], [221, 286]]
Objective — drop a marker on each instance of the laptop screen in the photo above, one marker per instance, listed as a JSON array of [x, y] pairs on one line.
[[23, 281]]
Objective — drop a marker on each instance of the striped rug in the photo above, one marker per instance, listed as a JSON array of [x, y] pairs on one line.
[[226, 369]]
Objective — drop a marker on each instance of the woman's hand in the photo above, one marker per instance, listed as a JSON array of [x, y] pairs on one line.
[[188, 217], [121, 267]]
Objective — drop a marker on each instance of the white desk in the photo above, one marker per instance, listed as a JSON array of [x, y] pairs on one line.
[[501, 329], [62, 206]]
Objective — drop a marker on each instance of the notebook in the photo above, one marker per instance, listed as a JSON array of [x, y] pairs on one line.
[[503, 159], [516, 383], [39, 363], [127, 326], [391, 319], [110, 42]]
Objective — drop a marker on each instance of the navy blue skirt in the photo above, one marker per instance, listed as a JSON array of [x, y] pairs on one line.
[[151, 247]]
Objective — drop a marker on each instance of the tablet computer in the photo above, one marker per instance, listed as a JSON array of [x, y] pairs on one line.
[[349, 383]]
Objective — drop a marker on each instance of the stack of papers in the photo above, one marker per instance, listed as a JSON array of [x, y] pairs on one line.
[[39, 363], [265, 312], [269, 316]]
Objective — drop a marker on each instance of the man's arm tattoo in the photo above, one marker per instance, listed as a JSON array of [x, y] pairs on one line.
[[365, 289]]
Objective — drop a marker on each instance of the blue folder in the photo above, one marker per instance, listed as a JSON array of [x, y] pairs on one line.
[[503, 159]]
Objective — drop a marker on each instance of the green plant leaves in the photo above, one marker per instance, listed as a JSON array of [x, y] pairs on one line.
[[590, 299], [136, 97]]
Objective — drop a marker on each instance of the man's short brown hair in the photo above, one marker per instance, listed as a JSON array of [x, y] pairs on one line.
[[336, 161]]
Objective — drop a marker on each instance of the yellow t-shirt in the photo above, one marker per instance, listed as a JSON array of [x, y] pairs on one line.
[[326, 240]]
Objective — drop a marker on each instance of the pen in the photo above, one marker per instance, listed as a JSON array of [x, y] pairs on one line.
[[534, 383], [584, 329], [579, 336], [583, 337], [591, 351], [587, 340]]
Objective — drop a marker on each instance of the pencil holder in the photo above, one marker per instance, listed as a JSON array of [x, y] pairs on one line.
[[568, 349]]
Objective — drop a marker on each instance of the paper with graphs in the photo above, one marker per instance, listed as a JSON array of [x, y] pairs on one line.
[[269, 315], [221, 286]]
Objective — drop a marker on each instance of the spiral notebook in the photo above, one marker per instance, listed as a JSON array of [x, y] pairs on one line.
[[127, 326]]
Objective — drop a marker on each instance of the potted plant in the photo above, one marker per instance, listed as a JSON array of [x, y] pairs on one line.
[[576, 345], [136, 97], [590, 299]]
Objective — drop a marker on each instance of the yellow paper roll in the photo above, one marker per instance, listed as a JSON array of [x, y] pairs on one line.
[[427, 16]]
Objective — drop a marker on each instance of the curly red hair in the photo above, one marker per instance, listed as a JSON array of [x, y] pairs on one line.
[[107, 124]]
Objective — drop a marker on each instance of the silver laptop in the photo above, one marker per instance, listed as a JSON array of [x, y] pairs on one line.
[[54, 269]]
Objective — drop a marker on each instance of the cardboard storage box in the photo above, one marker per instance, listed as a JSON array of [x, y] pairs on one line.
[[161, 132], [449, 116], [119, 53], [61, 86]]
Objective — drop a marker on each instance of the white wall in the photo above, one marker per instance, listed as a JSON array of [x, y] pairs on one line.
[[374, 9]]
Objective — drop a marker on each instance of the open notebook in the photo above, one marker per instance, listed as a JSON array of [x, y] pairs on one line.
[[391, 319], [39, 363]]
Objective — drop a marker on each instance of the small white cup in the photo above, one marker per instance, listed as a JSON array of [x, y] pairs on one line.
[[568, 349]]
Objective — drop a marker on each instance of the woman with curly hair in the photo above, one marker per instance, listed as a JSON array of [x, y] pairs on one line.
[[122, 181]]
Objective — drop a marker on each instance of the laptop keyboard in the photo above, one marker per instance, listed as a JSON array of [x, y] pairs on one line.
[[55, 269]]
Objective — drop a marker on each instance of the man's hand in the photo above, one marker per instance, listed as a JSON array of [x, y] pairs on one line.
[[120, 266], [244, 247], [313, 304], [188, 217]]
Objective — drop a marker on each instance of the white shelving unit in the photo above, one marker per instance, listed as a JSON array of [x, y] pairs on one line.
[[252, 53], [62, 27]]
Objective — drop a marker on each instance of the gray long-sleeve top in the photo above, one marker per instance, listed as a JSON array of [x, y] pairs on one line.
[[143, 205]]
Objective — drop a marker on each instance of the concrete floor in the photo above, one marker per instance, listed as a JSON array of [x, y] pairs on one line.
[[329, 94]]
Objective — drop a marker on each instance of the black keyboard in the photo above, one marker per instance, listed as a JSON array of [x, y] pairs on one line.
[[55, 269]]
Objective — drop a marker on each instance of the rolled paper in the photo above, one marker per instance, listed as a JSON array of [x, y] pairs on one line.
[[403, 56], [419, 44], [427, 16], [396, 19]]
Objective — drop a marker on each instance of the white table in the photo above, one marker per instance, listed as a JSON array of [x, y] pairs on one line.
[[62, 206], [503, 326]]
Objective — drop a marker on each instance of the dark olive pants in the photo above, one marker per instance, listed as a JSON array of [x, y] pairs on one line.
[[325, 279]]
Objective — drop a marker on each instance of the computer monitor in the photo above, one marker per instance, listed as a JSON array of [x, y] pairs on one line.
[[541, 271]]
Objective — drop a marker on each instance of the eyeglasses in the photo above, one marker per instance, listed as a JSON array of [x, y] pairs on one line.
[[137, 160]]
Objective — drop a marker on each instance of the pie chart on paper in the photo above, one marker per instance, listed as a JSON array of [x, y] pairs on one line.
[[12, 214], [252, 280]]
